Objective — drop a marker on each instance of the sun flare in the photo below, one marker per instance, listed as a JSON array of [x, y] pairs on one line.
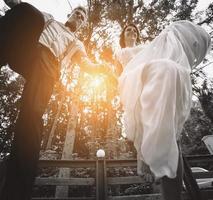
[[96, 82]]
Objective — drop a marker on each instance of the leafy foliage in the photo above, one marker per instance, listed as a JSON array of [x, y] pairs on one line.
[[11, 87], [195, 128]]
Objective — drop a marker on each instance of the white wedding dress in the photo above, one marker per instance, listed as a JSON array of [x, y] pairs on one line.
[[155, 90]]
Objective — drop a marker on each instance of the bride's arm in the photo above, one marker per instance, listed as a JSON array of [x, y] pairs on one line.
[[117, 64], [118, 68]]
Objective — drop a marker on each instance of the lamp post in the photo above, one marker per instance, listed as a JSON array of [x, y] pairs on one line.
[[101, 184]]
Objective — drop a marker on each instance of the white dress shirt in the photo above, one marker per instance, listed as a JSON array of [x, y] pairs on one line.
[[59, 39], [3, 8]]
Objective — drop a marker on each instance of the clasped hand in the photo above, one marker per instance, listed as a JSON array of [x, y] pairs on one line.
[[107, 70]]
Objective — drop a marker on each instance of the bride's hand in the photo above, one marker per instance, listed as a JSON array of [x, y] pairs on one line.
[[144, 172]]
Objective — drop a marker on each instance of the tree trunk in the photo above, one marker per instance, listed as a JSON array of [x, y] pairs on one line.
[[62, 191]]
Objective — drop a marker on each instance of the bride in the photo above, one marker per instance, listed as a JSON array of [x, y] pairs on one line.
[[155, 90]]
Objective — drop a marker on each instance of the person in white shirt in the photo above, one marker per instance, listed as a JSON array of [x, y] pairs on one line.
[[57, 44], [156, 93], [3, 8], [12, 3]]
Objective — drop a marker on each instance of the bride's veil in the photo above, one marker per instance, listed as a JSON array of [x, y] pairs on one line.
[[183, 42]]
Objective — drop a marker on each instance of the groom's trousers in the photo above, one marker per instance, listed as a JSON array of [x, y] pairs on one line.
[[22, 163], [20, 30]]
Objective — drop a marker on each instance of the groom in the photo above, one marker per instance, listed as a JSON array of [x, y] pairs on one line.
[[41, 68]]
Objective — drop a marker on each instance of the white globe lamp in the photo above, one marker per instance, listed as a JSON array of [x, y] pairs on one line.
[[100, 153]]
